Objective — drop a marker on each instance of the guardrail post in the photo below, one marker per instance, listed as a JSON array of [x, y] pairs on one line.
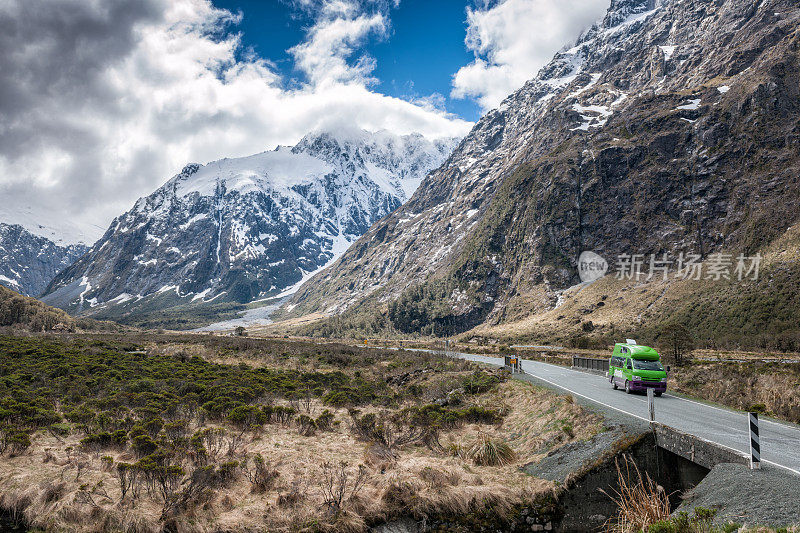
[[755, 442], [651, 405]]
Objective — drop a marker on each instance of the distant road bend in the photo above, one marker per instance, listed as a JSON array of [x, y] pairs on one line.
[[780, 442]]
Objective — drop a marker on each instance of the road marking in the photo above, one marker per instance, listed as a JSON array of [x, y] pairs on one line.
[[557, 385], [590, 399], [733, 411], [738, 452], [723, 409]]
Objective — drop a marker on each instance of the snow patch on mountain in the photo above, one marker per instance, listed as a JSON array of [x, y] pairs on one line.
[[255, 226], [49, 224], [28, 262]]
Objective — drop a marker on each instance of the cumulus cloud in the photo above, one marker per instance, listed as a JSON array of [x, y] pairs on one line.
[[323, 56], [102, 100], [513, 39]]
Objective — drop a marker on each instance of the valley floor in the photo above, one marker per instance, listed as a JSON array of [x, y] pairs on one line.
[[200, 433]]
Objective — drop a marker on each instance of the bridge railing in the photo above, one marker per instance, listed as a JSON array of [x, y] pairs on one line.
[[591, 364]]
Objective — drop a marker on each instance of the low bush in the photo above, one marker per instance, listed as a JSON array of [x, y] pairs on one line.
[[261, 475], [479, 382], [325, 421], [99, 441]]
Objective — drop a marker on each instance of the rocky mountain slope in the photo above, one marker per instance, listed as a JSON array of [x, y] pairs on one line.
[[36, 244], [29, 262], [671, 126], [247, 228]]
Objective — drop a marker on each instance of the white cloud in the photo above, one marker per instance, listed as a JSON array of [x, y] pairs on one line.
[[513, 39], [101, 101], [323, 56]]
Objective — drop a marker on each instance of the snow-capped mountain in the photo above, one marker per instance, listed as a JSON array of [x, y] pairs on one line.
[[239, 229], [28, 262], [36, 244], [42, 221], [668, 126]]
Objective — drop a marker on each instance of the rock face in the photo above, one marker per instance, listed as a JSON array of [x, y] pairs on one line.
[[239, 229], [670, 126], [29, 262]]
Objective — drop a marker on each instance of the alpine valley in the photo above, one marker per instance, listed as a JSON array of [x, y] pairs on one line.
[[236, 230], [669, 127]]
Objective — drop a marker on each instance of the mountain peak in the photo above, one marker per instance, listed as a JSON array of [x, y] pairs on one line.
[[249, 227], [605, 149]]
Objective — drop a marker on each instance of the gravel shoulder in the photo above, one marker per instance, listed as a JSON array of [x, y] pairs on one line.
[[767, 497]]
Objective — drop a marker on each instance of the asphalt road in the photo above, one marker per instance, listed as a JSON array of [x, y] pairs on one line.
[[780, 443]]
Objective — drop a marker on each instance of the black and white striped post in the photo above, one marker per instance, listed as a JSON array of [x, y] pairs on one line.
[[755, 443]]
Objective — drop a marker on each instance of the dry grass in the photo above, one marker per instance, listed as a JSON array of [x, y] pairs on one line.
[[613, 304], [748, 386], [487, 451], [44, 484], [640, 501]]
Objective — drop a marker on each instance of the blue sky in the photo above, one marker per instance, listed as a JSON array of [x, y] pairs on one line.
[[125, 94], [423, 49]]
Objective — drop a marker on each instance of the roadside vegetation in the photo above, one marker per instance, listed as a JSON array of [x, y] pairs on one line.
[[147, 432], [762, 381], [643, 507]]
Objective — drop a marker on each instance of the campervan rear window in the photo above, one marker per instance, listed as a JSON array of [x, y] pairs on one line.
[[647, 365]]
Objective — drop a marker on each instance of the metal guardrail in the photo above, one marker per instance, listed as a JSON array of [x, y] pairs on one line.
[[591, 364]]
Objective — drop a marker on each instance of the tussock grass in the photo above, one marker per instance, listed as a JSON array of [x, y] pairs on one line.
[[490, 452], [46, 487]]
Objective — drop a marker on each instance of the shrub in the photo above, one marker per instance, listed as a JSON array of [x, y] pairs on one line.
[[480, 381], [325, 420], [81, 415], [481, 415], [307, 426], [60, 429], [247, 417], [104, 439], [18, 442], [208, 444], [176, 430], [385, 432], [283, 415], [144, 445], [339, 399], [677, 341], [261, 475], [227, 472], [339, 484], [136, 431], [153, 426], [663, 526]]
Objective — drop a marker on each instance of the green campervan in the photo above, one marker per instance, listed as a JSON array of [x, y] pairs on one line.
[[636, 368]]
